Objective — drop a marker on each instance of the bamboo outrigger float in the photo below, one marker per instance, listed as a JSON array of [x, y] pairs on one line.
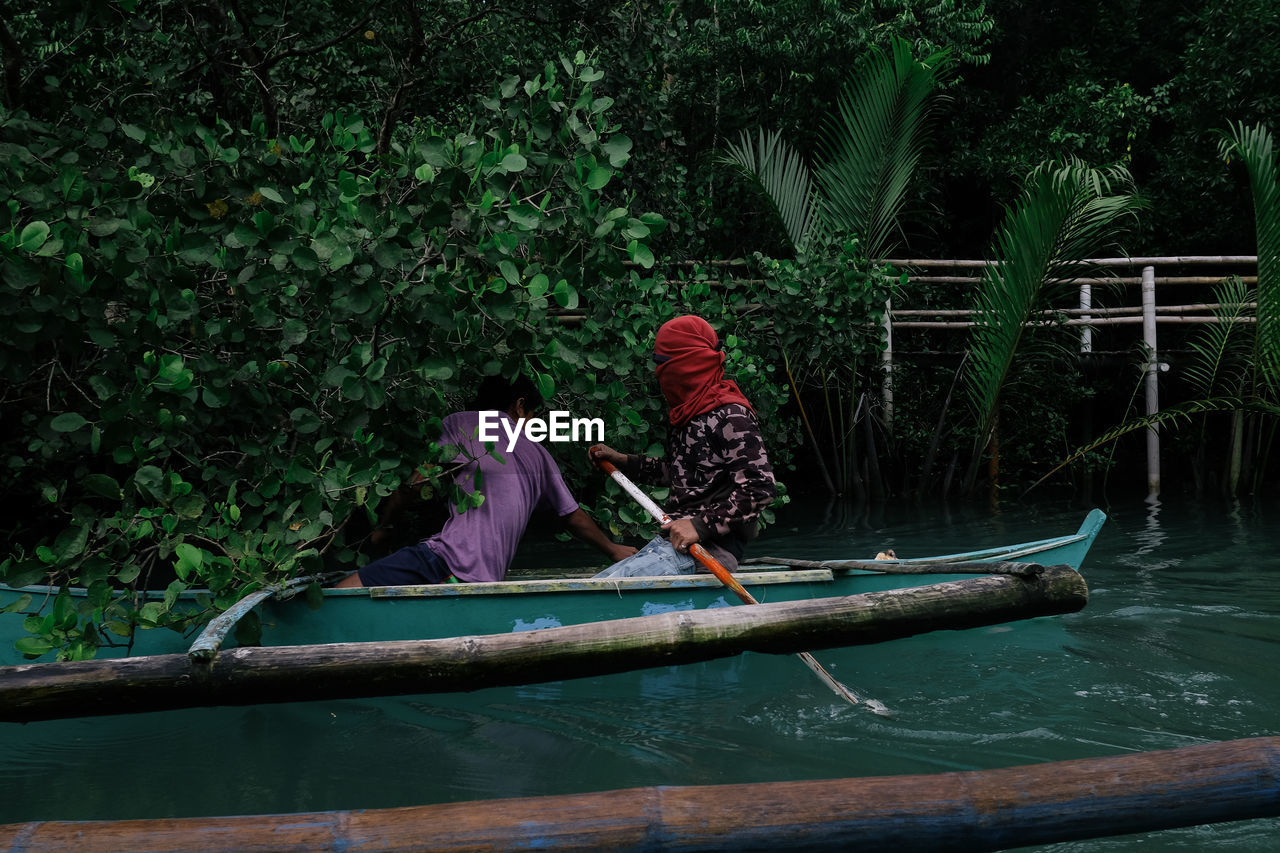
[[960, 812], [460, 637], [245, 676], [439, 611]]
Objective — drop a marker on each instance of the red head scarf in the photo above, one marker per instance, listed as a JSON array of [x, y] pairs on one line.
[[692, 375]]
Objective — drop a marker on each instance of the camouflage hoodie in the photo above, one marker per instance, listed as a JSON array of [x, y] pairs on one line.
[[719, 476]]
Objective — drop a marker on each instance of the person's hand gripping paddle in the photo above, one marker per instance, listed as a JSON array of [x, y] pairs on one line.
[[713, 565]]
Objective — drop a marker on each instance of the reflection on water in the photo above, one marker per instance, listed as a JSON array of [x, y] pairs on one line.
[[1177, 646], [1152, 535]]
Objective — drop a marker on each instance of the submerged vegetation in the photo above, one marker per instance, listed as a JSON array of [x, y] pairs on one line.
[[251, 257]]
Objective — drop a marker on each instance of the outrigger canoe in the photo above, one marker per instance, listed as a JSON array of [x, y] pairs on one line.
[[380, 614]]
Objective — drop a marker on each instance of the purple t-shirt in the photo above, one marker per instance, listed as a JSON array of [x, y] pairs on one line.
[[479, 544]]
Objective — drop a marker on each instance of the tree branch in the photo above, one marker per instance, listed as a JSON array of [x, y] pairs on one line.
[[418, 49], [389, 116], [271, 61], [258, 68]]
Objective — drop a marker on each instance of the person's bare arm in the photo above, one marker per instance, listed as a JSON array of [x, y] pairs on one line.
[[580, 525]]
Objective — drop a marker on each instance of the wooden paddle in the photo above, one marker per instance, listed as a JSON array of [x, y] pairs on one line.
[[722, 574]]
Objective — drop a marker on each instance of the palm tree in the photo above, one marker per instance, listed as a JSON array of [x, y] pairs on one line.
[[1236, 366], [1066, 212], [1256, 148], [868, 154], [1221, 367]]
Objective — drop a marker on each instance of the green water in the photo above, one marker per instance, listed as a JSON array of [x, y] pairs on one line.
[[1177, 647]]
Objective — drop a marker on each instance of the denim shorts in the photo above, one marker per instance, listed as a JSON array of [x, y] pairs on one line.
[[658, 557], [416, 564]]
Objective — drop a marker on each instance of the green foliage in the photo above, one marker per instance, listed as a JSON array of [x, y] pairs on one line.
[[734, 67], [1255, 146], [816, 307], [748, 63], [223, 345], [825, 315], [1181, 414], [1221, 366], [784, 177], [869, 156], [1066, 213], [1095, 121], [1210, 59], [1235, 365]]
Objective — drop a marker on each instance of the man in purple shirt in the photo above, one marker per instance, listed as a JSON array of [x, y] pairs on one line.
[[479, 543]]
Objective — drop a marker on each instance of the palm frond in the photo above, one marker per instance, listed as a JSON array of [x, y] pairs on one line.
[[1256, 148], [872, 146], [1222, 349], [1064, 214], [1172, 416], [783, 176]]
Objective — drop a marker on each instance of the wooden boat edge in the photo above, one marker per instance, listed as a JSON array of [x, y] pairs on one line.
[[759, 575]]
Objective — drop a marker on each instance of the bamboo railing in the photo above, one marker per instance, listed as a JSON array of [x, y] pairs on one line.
[[1086, 315], [1209, 271], [1147, 313]]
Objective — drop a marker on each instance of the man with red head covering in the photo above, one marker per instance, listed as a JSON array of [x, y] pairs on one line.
[[716, 464]]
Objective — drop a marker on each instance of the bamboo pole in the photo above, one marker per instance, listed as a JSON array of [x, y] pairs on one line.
[[246, 676], [897, 567], [946, 263], [1151, 378], [1122, 310], [1104, 321], [1086, 305], [1141, 261], [956, 812], [1133, 279]]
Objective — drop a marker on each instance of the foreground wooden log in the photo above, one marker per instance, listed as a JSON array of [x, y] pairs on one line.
[[291, 673], [942, 813]]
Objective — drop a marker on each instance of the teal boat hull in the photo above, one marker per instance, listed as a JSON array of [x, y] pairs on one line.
[[452, 610]]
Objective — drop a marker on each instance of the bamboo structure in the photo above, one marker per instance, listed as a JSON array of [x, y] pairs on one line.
[[967, 272], [1148, 314], [957, 812], [245, 676], [1151, 384]]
